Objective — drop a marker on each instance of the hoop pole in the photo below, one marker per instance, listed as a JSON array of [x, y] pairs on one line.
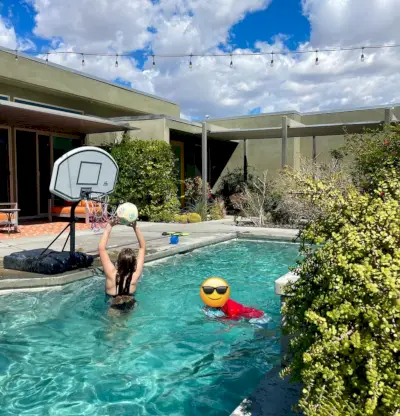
[[66, 241], [72, 232], [44, 251]]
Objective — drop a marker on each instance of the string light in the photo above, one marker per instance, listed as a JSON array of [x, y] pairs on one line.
[[47, 58], [190, 63], [146, 55], [116, 61]]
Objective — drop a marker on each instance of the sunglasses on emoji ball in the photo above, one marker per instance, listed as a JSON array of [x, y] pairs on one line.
[[221, 290]]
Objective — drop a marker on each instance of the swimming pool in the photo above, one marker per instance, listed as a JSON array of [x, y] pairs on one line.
[[62, 353]]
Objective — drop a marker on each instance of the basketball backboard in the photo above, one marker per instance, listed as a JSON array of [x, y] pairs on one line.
[[81, 171]]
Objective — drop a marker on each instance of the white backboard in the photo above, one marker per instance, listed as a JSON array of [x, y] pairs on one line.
[[85, 169]]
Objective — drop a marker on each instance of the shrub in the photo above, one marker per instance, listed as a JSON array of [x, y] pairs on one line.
[[284, 203], [233, 183], [374, 153], [344, 311], [183, 219], [194, 190], [193, 217], [146, 177], [216, 210], [251, 202]]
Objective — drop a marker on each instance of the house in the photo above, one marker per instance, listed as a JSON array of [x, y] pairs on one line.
[[47, 110]]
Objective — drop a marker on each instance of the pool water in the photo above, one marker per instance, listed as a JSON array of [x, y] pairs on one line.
[[63, 353]]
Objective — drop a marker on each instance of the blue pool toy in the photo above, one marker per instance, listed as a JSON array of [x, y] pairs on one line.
[[174, 239]]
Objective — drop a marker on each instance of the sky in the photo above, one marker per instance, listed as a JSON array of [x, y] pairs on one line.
[[211, 87]]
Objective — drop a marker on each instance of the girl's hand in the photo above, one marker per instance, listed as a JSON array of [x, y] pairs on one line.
[[114, 221]]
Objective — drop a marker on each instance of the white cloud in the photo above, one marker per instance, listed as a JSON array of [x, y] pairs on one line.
[[95, 25], [8, 38], [212, 87]]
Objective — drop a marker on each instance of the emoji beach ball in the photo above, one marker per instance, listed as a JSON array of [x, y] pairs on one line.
[[215, 292]]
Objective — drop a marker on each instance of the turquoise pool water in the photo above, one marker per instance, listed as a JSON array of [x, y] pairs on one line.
[[63, 353]]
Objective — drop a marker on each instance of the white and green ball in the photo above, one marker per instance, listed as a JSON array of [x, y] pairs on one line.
[[127, 213]]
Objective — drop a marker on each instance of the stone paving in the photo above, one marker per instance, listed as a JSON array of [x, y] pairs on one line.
[[39, 228]]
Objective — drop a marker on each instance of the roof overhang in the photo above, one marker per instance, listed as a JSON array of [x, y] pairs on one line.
[[44, 119], [337, 129]]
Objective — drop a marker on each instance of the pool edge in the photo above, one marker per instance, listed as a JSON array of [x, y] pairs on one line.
[[42, 282]]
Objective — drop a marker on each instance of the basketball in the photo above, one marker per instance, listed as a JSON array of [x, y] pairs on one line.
[[127, 213]]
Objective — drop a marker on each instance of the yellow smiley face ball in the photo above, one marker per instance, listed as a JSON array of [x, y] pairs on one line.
[[215, 292]]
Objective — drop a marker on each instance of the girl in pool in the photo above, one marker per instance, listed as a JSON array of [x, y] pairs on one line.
[[121, 281]]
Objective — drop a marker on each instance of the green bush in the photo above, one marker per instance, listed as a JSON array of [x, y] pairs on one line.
[[147, 177], [344, 311], [373, 153], [193, 217]]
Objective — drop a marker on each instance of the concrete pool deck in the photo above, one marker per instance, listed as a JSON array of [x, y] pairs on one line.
[[200, 235]]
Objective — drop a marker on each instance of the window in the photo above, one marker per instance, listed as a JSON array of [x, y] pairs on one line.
[[4, 97], [51, 107]]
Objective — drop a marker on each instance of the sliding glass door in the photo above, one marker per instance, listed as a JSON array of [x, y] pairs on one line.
[[4, 167]]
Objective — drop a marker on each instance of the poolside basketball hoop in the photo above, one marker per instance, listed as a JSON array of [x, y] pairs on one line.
[[85, 174], [100, 210]]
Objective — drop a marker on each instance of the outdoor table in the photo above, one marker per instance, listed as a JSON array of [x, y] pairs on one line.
[[10, 212]]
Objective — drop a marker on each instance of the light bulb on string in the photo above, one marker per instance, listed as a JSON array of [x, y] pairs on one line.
[[190, 62], [47, 58], [83, 60], [362, 55], [154, 62], [231, 64], [16, 54], [272, 59], [116, 61], [316, 58]]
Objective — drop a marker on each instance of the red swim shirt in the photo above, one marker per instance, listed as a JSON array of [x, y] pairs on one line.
[[235, 310]]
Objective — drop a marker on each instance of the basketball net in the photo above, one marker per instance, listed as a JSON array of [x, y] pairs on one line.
[[100, 211]]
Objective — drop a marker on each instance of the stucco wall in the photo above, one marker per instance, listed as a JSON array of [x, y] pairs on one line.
[[266, 154], [149, 129]]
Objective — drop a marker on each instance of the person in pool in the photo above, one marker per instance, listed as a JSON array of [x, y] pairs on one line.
[[121, 281]]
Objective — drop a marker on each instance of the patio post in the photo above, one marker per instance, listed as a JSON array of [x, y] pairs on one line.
[[388, 115], [314, 148], [204, 161], [284, 140], [245, 160]]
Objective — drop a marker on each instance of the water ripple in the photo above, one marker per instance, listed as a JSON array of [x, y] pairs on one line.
[[64, 353]]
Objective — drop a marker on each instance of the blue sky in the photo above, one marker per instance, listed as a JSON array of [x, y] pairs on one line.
[[281, 17], [198, 26]]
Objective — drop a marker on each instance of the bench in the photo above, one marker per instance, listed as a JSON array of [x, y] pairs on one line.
[[81, 210], [9, 215]]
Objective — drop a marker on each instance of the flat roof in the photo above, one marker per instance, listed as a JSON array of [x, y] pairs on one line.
[[306, 113], [336, 129], [44, 119], [82, 74]]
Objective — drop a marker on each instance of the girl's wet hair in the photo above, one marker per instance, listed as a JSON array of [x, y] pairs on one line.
[[126, 266]]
